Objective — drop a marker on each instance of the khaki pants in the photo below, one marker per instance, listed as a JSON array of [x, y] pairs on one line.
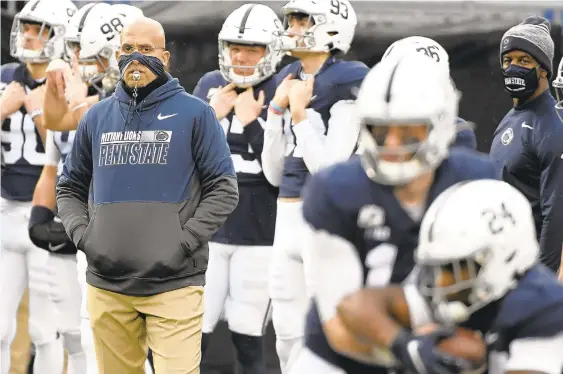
[[170, 323]]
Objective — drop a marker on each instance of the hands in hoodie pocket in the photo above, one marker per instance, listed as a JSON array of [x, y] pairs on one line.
[[190, 240]]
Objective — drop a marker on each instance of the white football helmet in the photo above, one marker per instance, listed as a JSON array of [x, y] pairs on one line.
[[429, 47], [53, 15], [558, 86], [250, 24], [334, 24], [483, 234], [76, 25], [130, 12], [406, 90], [99, 40]]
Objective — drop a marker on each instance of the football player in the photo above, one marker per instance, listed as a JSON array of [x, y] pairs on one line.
[[240, 252], [308, 128], [465, 136], [71, 95], [97, 47], [365, 214], [36, 38], [478, 256]]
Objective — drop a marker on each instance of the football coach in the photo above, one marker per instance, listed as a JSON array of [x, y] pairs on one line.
[[147, 183]]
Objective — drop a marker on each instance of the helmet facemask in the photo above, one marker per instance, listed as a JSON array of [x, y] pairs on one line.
[[455, 289], [296, 42], [101, 81], [18, 40], [417, 153], [263, 69]]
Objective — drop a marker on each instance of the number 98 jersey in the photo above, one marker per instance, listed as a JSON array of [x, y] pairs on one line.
[[253, 220], [23, 154], [369, 234]]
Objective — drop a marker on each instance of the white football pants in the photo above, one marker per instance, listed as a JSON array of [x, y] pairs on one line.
[[307, 363], [67, 297], [237, 280], [23, 265], [289, 283]]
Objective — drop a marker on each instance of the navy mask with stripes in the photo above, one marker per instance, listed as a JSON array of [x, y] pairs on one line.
[[153, 63]]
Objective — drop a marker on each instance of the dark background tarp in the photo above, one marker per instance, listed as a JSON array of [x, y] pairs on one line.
[[474, 65]]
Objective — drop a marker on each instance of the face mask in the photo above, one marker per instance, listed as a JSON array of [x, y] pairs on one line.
[[152, 63], [88, 71], [520, 82]]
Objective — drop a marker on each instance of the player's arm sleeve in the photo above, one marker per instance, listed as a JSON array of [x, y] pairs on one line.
[[74, 184], [219, 189], [337, 145], [273, 151], [549, 147], [52, 153], [254, 135], [538, 354], [333, 256]]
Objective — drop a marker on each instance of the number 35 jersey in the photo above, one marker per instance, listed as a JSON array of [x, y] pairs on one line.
[[253, 220], [23, 154], [369, 234], [336, 84]]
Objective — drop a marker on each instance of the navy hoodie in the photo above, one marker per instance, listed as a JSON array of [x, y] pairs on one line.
[[144, 188]]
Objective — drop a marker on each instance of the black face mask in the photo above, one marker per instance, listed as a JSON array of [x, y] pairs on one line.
[[520, 82], [152, 63]]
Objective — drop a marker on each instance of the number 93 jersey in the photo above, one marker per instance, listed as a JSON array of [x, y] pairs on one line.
[[369, 234], [253, 220], [23, 154], [336, 82]]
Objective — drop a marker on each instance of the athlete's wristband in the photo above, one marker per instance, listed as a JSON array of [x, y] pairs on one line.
[[276, 109], [35, 113], [79, 106]]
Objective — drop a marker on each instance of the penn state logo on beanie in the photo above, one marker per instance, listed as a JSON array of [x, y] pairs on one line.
[[532, 36]]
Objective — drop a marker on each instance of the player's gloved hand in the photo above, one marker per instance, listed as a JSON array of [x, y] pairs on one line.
[[418, 354]]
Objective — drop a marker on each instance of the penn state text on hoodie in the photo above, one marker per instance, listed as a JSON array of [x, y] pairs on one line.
[[527, 151], [144, 188]]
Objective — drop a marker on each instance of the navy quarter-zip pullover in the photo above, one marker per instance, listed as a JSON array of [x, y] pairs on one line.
[[527, 151]]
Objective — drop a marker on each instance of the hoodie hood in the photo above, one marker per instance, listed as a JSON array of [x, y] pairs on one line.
[[168, 89]]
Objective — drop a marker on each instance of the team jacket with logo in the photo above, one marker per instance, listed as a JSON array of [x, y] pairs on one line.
[[526, 150], [161, 182]]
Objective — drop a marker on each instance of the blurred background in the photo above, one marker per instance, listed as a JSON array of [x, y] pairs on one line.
[[470, 30]]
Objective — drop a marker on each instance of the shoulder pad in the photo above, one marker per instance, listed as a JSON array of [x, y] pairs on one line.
[[343, 72], [287, 69], [7, 72], [459, 121], [207, 83], [471, 164]]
